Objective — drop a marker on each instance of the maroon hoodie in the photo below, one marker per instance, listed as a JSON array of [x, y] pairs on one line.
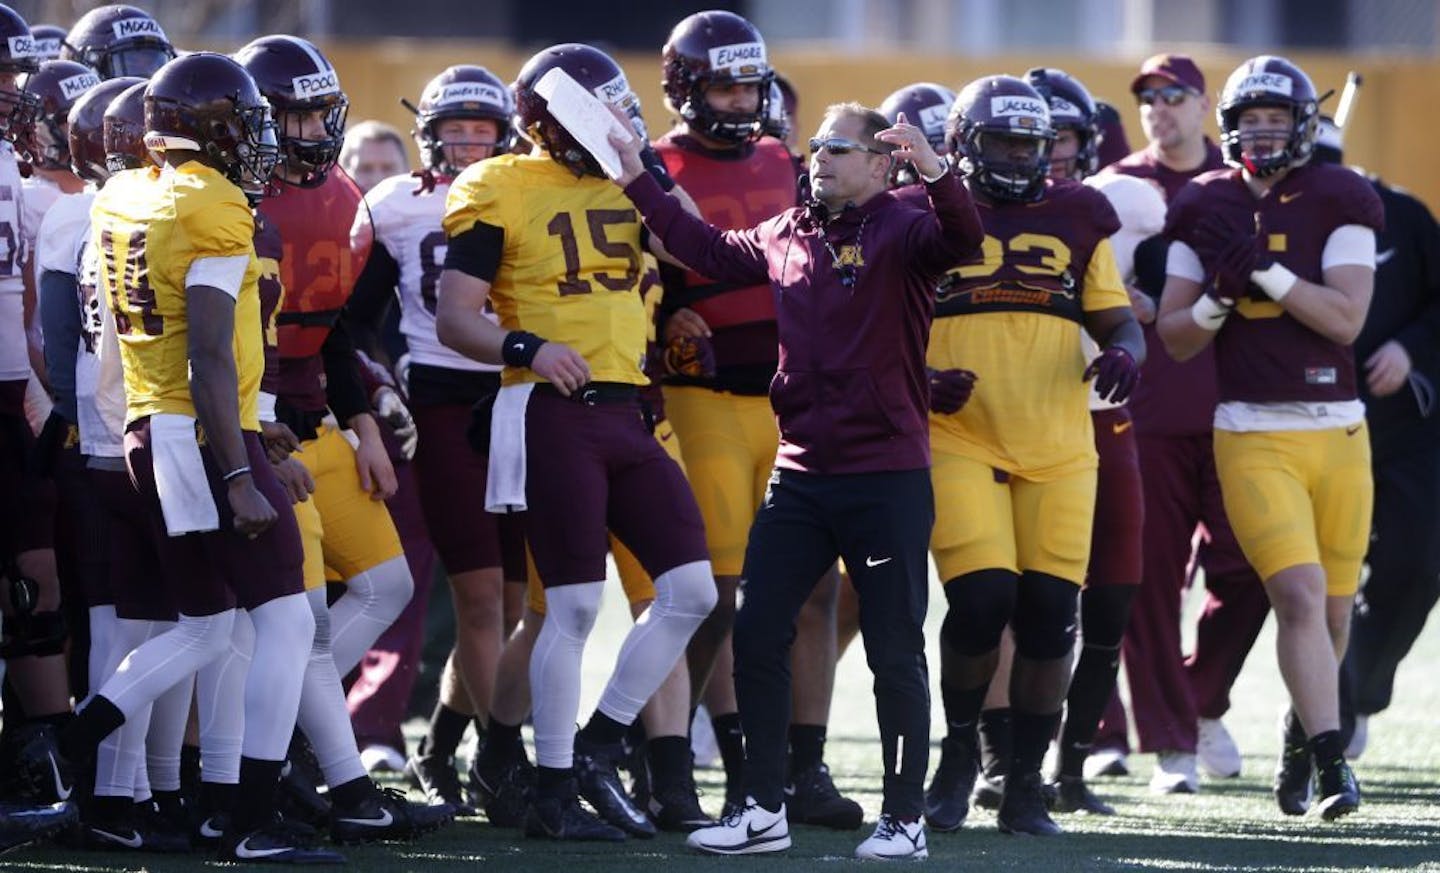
[[851, 393]]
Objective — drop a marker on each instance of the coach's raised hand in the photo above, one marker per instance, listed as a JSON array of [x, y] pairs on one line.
[[910, 145], [631, 165]]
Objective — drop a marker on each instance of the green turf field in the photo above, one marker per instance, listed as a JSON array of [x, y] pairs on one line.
[[1230, 826]]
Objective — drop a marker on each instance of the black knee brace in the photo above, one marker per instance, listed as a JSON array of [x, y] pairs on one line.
[[981, 605], [1045, 616], [35, 635], [1104, 613]]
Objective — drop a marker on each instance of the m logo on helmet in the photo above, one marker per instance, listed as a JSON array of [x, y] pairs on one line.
[[616, 92], [1271, 83], [126, 28], [76, 85], [316, 84], [23, 47], [739, 59], [470, 92], [1018, 107]]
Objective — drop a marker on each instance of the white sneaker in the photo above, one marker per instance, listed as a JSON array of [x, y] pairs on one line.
[[751, 830], [1359, 739], [1174, 774], [1106, 762], [703, 744], [894, 840], [381, 758], [1216, 750]]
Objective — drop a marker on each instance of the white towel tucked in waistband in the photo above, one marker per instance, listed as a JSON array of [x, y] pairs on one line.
[[505, 482], [180, 477]]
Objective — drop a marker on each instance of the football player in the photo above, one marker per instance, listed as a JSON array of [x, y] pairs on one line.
[[118, 40], [1273, 261], [48, 40], [343, 525], [177, 262], [927, 105], [717, 80], [568, 441], [1015, 466]]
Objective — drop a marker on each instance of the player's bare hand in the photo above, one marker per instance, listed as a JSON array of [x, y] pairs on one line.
[[279, 440], [911, 145], [296, 479], [252, 511], [561, 366], [631, 166], [377, 475], [1387, 369], [685, 323]]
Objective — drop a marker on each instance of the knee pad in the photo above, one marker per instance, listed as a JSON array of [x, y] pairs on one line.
[[981, 605], [1045, 616], [686, 591], [37, 634], [1104, 614]]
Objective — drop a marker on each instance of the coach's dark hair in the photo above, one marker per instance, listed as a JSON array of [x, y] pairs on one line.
[[871, 122]]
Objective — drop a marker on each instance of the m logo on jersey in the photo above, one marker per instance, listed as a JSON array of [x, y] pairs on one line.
[[739, 59], [23, 47], [616, 92], [1019, 107], [850, 256], [130, 27], [1269, 83], [471, 92], [78, 84], [316, 84]]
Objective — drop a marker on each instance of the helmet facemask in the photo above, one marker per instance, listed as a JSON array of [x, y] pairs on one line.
[[988, 157], [311, 160]]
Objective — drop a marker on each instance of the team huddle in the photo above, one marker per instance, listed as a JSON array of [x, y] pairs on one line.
[[774, 401]]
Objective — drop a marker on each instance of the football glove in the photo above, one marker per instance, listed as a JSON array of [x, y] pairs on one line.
[[950, 390], [1115, 373]]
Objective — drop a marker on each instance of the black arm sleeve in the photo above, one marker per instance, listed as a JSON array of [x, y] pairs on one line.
[[344, 389], [374, 288], [60, 318], [477, 251]]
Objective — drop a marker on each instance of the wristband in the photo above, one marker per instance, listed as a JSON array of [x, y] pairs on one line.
[[1209, 313], [235, 474], [1275, 280], [520, 348], [928, 180], [265, 407]]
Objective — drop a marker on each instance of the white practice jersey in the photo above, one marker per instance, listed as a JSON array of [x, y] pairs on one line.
[[408, 226]]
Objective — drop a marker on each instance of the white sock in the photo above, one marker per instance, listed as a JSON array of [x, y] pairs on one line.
[[683, 597], [220, 704], [371, 603], [570, 612], [284, 632], [322, 715]]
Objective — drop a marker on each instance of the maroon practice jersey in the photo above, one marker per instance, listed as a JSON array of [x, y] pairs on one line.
[[1264, 354], [269, 252]]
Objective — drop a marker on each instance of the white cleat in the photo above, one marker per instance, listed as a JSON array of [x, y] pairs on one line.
[[1216, 750], [895, 840], [1359, 739], [1106, 762], [1174, 774], [752, 830]]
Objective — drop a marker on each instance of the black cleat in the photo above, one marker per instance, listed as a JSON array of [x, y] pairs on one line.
[[504, 791], [297, 798], [1071, 794], [676, 808], [1339, 791], [947, 800], [41, 773], [437, 778], [386, 815], [22, 824], [556, 818], [1294, 774], [279, 842], [812, 798], [210, 830], [1022, 811], [601, 787]]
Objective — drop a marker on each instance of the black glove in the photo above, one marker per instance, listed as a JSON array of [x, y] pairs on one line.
[[950, 390], [1115, 373]]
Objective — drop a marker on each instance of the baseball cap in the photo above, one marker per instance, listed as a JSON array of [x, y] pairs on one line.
[[1178, 69]]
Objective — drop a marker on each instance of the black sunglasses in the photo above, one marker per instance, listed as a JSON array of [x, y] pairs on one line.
[[1170, 95], [839, 147]]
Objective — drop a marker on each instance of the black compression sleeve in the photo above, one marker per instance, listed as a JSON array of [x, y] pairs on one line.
[[476, 252]]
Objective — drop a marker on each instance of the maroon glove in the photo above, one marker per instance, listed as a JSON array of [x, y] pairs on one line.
[[1230, 252], [1115, 373], [950, 390], [689, 356]]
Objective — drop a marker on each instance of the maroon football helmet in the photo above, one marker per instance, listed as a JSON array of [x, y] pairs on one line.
[[124, 131], [297, 79], [48, 40], [987, 113], [118, 40], [206, 103], [17, 55], [1071, 108], [1268, 80], [40, 138], [925, 105], [716, 48], [596, 72], [463, 91], [87, 127]]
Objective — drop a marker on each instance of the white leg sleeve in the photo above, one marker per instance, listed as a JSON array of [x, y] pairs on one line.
[[683, 597], [102, 639], [284, 633], [154, 667], [117, 756], [371, 603], [220, 703], [323, 716], [570, 612], [168, 717]]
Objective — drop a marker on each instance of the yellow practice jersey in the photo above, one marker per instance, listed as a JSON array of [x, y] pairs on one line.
[[149, 227], [572, 264], [1012, 315]]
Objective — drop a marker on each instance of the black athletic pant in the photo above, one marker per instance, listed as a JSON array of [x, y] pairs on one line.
[[1404, 582], [880, 524]]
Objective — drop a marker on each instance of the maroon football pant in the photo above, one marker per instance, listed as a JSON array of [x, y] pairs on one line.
[[1167, 690]]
